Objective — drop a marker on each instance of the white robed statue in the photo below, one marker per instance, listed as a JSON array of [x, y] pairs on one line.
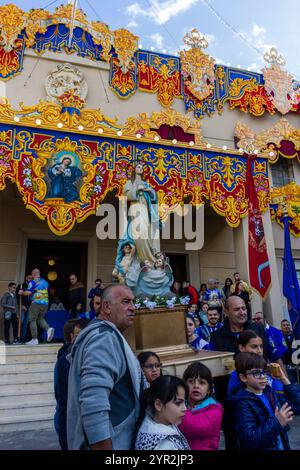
[[140, 242]]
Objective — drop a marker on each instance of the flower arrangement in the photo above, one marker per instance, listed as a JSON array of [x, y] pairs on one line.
[[160, 301]]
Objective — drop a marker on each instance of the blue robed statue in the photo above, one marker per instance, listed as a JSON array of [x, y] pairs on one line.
[[138, 248], [63, 176]]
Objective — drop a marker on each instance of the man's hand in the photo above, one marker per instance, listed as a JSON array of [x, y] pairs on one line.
[[102, 445], [78, 307], [284, 415]]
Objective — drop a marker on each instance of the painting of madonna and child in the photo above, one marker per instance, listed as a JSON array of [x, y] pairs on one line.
[[139, 262], [63, 175]]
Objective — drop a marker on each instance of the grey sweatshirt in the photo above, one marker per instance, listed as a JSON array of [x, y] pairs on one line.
[[104, 388]]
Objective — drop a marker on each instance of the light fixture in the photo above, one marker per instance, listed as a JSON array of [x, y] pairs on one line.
[[271, 154], [52, 276], [164, 51], [156, 138], [241, 150], [38, 122], [152, 48], [192, 143], [120, 133], [60, 125], [80, 127], [51, 262], [100, 130], [224, 147], [208, 146], [140, 46], [174, 141], [16, 119], [255, 152], [138, 136]]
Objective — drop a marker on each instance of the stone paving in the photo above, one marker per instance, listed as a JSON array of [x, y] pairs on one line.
[[47, 439]]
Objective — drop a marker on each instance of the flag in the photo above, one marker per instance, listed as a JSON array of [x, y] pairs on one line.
[[290, 281], [259, 266]]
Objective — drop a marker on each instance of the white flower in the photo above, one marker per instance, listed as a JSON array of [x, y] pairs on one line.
[[170, 303], [185, 300], [97, 189], [27, 171], [99, 179], [149, 304], [27, 182], [137, 306]]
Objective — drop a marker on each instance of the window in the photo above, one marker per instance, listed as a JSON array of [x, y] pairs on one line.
[[282, 172], [297, 266]]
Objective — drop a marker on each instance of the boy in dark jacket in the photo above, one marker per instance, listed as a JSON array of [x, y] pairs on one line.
[[262, 415], [72, 328]]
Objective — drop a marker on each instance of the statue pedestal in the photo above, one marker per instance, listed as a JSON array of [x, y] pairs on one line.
[[163, 331], [157, 328]]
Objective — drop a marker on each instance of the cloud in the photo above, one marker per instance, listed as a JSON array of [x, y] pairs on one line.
[[257, 37], [132, 24], [157, 40], [160, 11]]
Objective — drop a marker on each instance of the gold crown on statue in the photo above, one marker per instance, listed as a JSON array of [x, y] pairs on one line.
[[195, 40]]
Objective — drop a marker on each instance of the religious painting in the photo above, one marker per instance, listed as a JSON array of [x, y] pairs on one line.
[[63, 176]]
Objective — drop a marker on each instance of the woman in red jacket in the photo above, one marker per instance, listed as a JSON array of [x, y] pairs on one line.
[[201, 424]]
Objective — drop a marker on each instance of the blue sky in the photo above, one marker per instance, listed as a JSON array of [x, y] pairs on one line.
[[161, 25]]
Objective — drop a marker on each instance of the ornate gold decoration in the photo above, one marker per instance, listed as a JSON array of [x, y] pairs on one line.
[[287, 199], [104, 37], [125, 44], [197, 67], [145, 125], [270, 139], [249, 96], [12, 21], [50, 114], [36, 23], [278, 82]]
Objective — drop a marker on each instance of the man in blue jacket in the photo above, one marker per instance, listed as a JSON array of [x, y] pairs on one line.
[[275, 338], [105, 379]]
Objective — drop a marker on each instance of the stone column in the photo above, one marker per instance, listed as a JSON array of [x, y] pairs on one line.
[[272, 305], [242, 260]]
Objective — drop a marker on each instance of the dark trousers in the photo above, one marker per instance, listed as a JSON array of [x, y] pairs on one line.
[[14, 322]]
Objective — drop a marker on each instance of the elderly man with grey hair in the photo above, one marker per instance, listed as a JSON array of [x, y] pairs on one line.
[[105, 379]]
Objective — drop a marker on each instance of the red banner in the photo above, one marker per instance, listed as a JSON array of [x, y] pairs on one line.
[[259, 266]]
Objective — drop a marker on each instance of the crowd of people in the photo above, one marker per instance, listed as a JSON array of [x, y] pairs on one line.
[[26, 305], [107, 398]]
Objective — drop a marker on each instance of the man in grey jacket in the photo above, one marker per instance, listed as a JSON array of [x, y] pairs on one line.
[[104, 379], [10, 312]]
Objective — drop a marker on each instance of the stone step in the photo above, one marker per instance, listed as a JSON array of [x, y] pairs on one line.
[[30, 358], [36, 408], [24, 348], [18, 389], [30, 377], [12, 397], [26, 423], [22, 367]]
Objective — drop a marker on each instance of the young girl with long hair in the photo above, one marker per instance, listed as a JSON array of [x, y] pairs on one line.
[[163, 408], [201, 424]]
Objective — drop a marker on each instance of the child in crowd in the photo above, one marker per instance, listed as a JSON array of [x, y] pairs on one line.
[[150, 364], [163, 408], [262, 416], [201, 424], [250, 342]]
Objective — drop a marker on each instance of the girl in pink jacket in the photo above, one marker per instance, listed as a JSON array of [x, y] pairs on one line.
[[201, 424]]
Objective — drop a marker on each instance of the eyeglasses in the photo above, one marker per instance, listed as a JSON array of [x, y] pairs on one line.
[[257, 373], [152, 366]]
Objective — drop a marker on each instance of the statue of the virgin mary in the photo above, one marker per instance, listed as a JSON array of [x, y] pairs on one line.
[[142, 231]]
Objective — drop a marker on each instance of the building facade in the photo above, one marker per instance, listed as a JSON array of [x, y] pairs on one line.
[[105, 104]]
